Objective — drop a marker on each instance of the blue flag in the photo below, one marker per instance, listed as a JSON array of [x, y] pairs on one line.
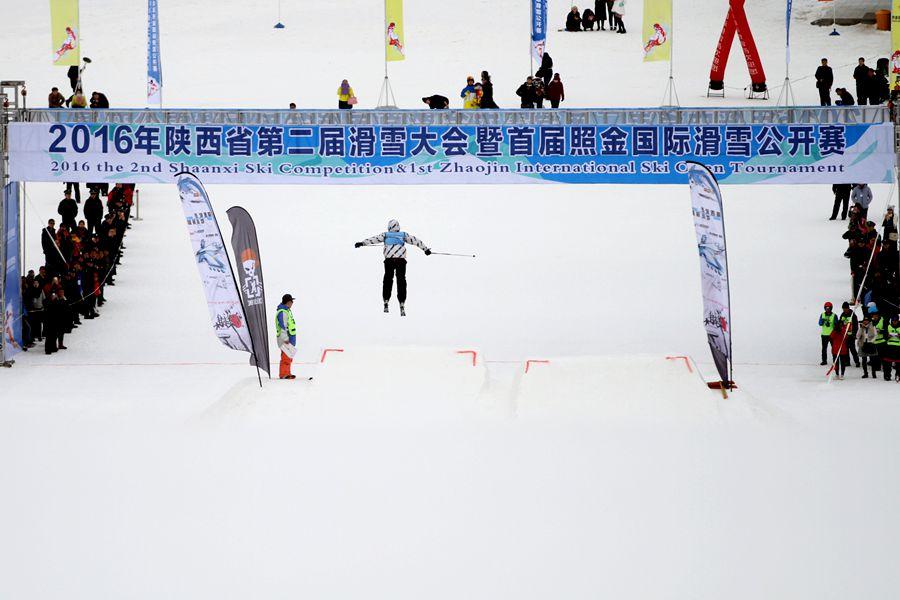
[[11, 333], [787, 30], [538, 28], [154, 64]]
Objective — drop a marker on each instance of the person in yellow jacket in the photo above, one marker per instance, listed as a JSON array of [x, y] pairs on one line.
[[286, 332], [346, 97]]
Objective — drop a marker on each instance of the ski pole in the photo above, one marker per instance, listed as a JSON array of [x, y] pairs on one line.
[[453, 254]]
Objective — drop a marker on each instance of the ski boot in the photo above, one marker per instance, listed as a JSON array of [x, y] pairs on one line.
[[386, 309], [402, 310]]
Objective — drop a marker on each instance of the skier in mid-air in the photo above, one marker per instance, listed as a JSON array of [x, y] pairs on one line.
[[394, 242]]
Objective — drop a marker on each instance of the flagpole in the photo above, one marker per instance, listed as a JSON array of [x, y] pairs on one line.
[[671, 94], [530, 41]]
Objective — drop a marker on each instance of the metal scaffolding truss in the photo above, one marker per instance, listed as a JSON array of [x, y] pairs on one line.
[[608, 116]]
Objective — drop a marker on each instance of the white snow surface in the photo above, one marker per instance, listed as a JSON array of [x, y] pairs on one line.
[[146, 462]]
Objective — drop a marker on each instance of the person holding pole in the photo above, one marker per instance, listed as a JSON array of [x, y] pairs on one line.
[[394, 242], [286, 333]]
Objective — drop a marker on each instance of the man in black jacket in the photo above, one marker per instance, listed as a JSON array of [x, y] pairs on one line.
[[860, 74], [437, 101], [52, 256], [68, 210], [526, 93], [93, 212], [824, 81], [841, 199]]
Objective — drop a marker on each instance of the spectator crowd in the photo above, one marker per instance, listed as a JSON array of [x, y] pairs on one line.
[[81, 253], [871, 85], [80, 260], [871, 339], [613, 10]]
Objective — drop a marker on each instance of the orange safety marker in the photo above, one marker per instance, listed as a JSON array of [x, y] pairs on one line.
[[528, 363], [472, 352], [687, 361], [327, 350]]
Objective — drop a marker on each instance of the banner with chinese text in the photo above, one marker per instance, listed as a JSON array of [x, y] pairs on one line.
[[216, 276], [154, 63], [709, 225], [413, 154]]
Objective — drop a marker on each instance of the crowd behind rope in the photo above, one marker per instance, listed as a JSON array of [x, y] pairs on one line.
[[81, 253], [872, 341]]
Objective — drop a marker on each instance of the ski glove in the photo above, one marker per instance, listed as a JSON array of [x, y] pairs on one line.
[[427, 251], [358, 245]]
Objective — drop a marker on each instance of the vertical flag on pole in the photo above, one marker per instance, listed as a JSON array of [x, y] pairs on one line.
[[895, 43], [64, 32], [154, 64], [395, 44], [10, 277], [246, 252], [709, 225], [657, 30], [216, 276], [787, 32], [538, 28]]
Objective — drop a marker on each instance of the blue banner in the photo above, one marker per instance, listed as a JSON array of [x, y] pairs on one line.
[[12, 277], [787, 31], [396, 154], [538, 28], [154, 64]]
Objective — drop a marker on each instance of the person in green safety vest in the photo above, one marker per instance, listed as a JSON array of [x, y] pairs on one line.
[[879, 324], [286, 332], [892, 347], [827, 321]]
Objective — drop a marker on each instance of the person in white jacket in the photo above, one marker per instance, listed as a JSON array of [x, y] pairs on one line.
[[865, 344], [862, 195]]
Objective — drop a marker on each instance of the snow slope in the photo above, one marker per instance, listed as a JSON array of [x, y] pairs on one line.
[[145, 461]]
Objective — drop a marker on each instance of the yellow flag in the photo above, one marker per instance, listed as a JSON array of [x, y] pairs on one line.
[[395, 44], [657, 31], [64, 32], [895, 44]]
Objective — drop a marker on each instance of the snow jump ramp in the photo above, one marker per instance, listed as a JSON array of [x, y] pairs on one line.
[[410, 384]]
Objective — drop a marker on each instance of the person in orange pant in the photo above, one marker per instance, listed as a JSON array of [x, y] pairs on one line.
[[286, 331]]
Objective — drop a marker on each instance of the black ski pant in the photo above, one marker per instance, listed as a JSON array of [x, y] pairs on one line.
[[391, 266], [851, 345], [826, 339], [841, 202], [70, 186], [825, 96]]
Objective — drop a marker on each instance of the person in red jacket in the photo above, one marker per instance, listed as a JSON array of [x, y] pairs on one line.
[[840, 347], [555, 91]]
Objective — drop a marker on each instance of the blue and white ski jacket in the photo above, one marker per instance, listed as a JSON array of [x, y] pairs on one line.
[[391, 248]]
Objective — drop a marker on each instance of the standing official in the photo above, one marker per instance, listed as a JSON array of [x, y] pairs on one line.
[[286, 332]]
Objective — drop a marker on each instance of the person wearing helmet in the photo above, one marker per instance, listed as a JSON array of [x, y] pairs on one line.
[[840, 348], [394, 242], [827, 321]]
